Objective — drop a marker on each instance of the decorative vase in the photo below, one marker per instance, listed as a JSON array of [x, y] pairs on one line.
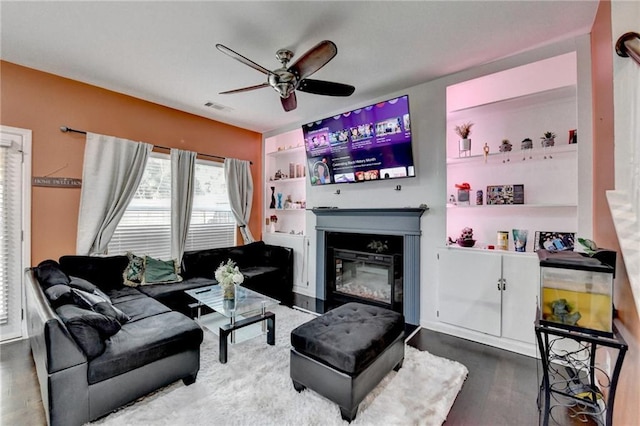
[[272, 227], [279, 201], [464, 146], [228, 291], [273, 198]]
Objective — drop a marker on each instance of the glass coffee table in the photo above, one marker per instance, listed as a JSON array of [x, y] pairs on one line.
[[230, 316]]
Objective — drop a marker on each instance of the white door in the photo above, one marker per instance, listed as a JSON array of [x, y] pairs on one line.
[[468, 292], [521, 275], [15, 213]]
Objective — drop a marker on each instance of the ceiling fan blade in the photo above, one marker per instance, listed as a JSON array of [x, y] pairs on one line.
[[290, 102], [245, 89], [238, 57], [314, 59], [327, 88]]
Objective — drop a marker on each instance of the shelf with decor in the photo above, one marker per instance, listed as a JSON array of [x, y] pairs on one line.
[[285, 171], [512, 206], [516, 156], [506, 114]]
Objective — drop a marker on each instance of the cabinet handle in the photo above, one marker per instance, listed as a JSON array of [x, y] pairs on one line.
[[502, 284]]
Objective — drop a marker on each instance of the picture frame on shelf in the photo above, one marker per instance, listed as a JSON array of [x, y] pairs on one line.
[[554, 241], [505, 194]]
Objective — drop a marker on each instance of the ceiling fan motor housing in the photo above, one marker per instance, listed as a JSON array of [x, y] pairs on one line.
[[283, 81]]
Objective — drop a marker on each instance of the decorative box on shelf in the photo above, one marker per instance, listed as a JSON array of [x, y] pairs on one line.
[[505, 194]]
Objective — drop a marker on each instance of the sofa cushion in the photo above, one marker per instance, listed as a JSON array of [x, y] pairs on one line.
[[49, 273], [140, 308], [349, 337], [105, 272], [248, 255], [123, 294], [141, 342], [202, 263], [161, 291], [88, 328], [158, 271]]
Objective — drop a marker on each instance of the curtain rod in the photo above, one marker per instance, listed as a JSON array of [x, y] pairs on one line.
[[628, 45], [66, 129]]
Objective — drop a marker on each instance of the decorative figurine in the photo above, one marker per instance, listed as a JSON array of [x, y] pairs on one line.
[[273, 198], [486, 151]]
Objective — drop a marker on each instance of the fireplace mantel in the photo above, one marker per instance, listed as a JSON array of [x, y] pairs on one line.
[[390, 221], [379, 221]]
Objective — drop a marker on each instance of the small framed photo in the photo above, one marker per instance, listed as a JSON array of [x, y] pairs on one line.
[[505, 194], [554, 241]]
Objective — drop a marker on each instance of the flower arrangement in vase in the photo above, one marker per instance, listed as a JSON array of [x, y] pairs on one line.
[[228, 276], [464, 131]]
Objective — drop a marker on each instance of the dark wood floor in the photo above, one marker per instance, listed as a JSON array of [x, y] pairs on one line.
[[501, 387]]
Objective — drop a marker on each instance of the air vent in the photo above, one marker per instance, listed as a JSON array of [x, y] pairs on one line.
[[217, 106]]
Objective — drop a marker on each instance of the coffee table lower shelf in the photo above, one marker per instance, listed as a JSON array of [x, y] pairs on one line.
[[239, 330]]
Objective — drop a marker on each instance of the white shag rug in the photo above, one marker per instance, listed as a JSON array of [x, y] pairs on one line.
[[254, 388]]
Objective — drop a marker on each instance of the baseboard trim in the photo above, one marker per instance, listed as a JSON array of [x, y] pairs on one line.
[[521, 348]]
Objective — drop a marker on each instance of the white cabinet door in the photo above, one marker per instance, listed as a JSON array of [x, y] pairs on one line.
[[468, 292], [521, 281]]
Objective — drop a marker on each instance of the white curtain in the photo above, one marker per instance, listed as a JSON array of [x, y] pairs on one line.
[[112, 170], [183, 165], [240, 189]]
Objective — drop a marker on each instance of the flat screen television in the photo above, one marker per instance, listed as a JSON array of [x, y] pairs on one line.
[[366, 144]]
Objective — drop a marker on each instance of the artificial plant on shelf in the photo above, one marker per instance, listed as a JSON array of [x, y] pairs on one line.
[[464, 131]]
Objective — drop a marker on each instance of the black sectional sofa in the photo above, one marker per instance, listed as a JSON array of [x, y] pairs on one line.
[[89, 363]]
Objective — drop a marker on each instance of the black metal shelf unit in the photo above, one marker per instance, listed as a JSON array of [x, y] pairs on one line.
[[573, 383]]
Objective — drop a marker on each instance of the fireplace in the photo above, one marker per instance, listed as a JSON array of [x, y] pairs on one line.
[[364, 268], [371, 256]]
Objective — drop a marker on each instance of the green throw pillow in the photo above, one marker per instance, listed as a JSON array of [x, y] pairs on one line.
[[160, 271], [134, 272]]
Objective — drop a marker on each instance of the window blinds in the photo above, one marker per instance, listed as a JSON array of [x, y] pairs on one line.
[[145, 228], [10, 227]]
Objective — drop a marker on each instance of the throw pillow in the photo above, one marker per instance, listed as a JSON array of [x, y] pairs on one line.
[[59, 295], [89, 329], [98, 304], [158, 271], [134, 272], [48, 273], [82, 284]]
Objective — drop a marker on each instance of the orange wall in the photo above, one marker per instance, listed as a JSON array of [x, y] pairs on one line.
[[626, 411], [43, 102]]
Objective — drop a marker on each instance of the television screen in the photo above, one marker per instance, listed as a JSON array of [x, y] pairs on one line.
[[366, 144]]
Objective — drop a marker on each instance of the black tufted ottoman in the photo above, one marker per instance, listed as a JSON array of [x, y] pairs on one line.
[[344, 353]]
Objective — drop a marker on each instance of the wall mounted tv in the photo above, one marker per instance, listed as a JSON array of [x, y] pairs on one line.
[[370, 143]]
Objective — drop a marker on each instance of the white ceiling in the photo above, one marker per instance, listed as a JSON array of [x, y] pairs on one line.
[[164, 52]]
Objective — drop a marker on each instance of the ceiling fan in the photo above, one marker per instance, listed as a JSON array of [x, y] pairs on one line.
[[286, 80]]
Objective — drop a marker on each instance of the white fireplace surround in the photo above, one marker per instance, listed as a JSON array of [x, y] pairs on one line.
[[384, 221]]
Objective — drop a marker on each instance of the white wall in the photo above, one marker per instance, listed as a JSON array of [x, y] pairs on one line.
[[428, 122]]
